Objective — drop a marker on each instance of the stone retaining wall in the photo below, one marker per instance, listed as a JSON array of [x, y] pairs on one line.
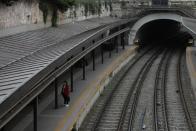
[[22, 13]]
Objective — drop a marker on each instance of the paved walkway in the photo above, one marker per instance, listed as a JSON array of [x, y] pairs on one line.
[[64, 118], [191, 64]]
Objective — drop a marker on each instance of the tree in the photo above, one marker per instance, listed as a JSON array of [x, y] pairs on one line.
[[54, 6], [8, 2]]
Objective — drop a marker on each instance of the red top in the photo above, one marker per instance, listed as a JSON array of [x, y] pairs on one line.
[[66, 90]]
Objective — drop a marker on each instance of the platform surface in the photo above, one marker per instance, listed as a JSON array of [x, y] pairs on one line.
[[24, 55], [191, 65], [63, 118]]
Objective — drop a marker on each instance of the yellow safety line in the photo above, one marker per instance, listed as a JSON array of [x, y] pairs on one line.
[[89, 88]]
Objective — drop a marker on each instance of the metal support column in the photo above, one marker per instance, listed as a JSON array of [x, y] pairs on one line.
[[93, 55], [110, 49], [122, 41], [119, 40], [71, 79], [116, 44], [102, 54], [56, 93], [83, 66], [35, 113], [83, 69], [126, 38]]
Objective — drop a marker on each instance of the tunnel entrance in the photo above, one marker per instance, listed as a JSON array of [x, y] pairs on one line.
[[162, 32]]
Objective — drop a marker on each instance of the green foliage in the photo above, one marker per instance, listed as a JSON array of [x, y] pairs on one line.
[[54, 17], [110, 4], [44, 8], [106, 5], [99, 7], [62, 5], [8, 2], [90, 6], [123, 4], [54, 6]]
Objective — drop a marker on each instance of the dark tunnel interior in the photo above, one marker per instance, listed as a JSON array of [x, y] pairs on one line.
[[164, 32]]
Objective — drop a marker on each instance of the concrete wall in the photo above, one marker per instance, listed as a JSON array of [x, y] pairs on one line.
[[19, 13], [22, 13]]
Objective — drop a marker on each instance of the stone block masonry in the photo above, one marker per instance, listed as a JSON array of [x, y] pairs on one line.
[[19, 13], [28, 13]]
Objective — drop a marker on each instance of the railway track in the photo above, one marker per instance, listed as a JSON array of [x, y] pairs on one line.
[[185, 97], [170, 106], [175, 112], [122, 107], [130, 105], [160, 110], [107, 111]]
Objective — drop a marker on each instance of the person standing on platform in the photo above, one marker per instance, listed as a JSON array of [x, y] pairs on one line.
[[66, 93]]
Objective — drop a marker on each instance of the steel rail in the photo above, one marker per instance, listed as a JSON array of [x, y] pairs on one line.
[[163, 91], [50, 76], [137, 85], [182, 97], [95, 126], [157, 79], [155, 93]]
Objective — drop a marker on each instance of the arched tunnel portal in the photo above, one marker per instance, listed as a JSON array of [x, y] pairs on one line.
[[166, 29]]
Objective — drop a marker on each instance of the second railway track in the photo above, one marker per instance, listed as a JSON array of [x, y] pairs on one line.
[[107, 111]]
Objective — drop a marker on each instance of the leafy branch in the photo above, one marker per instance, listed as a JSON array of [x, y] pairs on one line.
[[90, 6], [54, 6]]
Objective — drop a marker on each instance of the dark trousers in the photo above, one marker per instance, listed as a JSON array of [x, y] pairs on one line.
[[66, 99]]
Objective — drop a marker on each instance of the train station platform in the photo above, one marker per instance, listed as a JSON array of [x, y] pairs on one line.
[[191, 65], [83, 97], [32, 61]]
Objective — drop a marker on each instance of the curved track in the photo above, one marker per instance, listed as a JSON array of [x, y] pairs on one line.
[[131, 102], [186, 103], [160, 110], [108, 110], [171, 110], [128, 105]]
